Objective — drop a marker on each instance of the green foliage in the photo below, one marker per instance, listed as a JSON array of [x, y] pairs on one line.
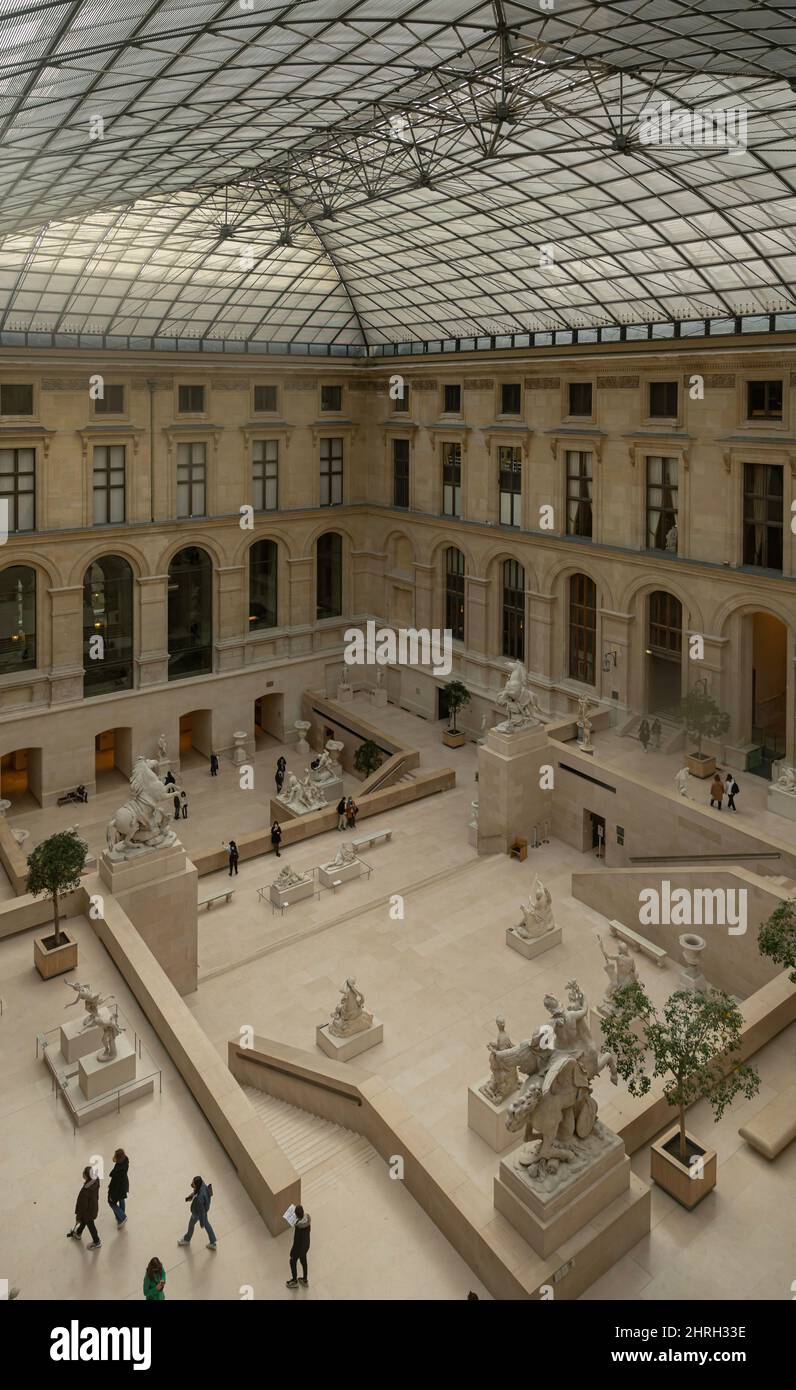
[[367, 758], [456, 695], [54, 869], [777, 937], [702, 717], [695, 1042]]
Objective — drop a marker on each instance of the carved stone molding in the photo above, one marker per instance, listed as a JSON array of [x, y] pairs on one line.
[[617, 383], [301, 383], [229, 383], [543, 383], [65, 383], [718, 381], [479, 383]]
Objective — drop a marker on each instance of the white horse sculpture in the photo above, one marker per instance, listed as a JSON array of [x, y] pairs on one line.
[[519, 700], [141, 823]]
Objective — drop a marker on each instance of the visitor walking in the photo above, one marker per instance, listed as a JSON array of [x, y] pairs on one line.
[[731, 789], [644, 734], [351, 813], [184, 804], [716, 790], [656, 731], [200, 1197], [341, 814], [176, 806], [86, 1208], [279, 775], [155, 1281], [213, 764], [232, 851], [299, 1249], [276, 837], [170, 780], [119, 1186]]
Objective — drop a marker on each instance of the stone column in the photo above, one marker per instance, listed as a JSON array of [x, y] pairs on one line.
[[301, 596], [476, 611], [229, 627], [66, 670], [152, 608], [616, 629], [539, 645], [424, 595]]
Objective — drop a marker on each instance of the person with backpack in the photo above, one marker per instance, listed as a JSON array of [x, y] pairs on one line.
[[351, 813], [155, 1281], [86, 1208], [200, 1197], [732, 789], [119, 1186], [644, 734], [234, 856], [299, 1249], [341, 814]]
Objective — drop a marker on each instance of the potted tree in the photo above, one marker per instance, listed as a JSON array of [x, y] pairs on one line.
[[702, 718], [777, 937], [456, 696], [367, 758], [695, 1042], [54, 868]]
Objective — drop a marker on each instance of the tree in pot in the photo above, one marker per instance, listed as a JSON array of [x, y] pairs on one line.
[[777, 937], [702, 718], [367, 758], [54, 868], [456, 697], [695, 1042]]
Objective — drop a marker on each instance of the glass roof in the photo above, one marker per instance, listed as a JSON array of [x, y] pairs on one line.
[[359, 172]]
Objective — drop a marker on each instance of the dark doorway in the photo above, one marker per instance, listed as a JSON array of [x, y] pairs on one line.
[[597, 834], [442, 702]]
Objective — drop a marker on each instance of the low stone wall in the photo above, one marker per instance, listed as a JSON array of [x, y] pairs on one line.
[[266, 1173], [13, 859], [22, 913], [349, 727]]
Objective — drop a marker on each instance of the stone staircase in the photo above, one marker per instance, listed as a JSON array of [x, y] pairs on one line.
[[321, 1152], [672, 735]]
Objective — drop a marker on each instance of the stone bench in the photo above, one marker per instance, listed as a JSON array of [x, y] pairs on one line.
[[773, 1127], [226, 894], [638, 943], [372, 839]]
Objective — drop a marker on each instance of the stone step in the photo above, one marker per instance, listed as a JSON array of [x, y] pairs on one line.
[[320, 1151]]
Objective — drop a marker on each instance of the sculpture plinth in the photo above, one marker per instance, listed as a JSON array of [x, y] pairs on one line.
[[488, 1119], [343, 1049], [781, 802], [529, 947], [293, 893], [158, 891], [98, 1078], [329, 874], [77, 1041], [510, 799]]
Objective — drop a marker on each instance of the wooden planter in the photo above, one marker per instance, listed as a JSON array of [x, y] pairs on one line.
[[54, 960], [674, 1177], [452, 740], [700, 764]]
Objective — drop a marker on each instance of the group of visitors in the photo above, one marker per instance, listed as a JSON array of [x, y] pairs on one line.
[[347, 812], [279, 775], [650, 733], [718, 790]]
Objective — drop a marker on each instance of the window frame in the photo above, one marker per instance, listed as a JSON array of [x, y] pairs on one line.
[[401, 440], [330, 474], [581, 654], [13, 526], [267, 478], [34, 401], [265, 386], [330, 386], [572, 498], [109, 488], [455, 595], [191, 413], [191, 482], [514, 494]]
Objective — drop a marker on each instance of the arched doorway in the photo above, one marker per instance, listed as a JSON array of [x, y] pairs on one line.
[[20, 779], [269, 721], [190, 614], [766, 642], [196, 737], [664, 653], [113, 758]]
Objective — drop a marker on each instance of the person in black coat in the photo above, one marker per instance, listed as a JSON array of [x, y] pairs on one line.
[[119, 1186], [279, 775], [213, 764], [169, 780], [232, 851], [184, 804], [176, 806], [276, 837], [299, 1249], [86, 1208]]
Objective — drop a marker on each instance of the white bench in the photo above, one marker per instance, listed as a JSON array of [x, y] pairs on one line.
[[773, 1127], [638, 943], [226, 894], [372, 839]]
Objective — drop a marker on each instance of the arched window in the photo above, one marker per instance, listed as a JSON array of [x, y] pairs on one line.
[[329, 575], [263, 558], [582, 628], [190, 613], [513, 610], [665, 630], [107, 626], [454, 592], [664, 651], [17, 619]]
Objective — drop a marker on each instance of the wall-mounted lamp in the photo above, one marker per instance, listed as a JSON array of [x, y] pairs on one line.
[[609, 660]]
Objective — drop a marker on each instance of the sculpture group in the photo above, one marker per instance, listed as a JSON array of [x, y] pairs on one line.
[[303, 795], [144, 821], [98, 1016], [519, 701], [537, 913], [350, 1015]]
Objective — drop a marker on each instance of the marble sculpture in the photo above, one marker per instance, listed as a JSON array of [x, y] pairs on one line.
[[288, 878], [504, 1080], [519, 702], [537, 915], [350, 1016], [620, 969], [143, 822]]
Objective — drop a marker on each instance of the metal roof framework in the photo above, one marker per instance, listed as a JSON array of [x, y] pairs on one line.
[[352, 174]]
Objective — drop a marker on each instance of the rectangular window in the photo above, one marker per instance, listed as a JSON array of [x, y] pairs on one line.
[[510, 486], [451, 400], [191, 479], [662, 475], [400, 402], [191, 400], [400, 472], [18, 487], [663, 400], [331, 472], [265, 399], [16, 399], [762, 515], [452, 479], [109, 461], [331, 398], [265, 474], [111, 402], [764, 400], [511, 398], [579, 493], [580, 399]]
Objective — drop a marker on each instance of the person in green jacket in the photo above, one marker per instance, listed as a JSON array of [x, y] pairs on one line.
[[154, 1281]]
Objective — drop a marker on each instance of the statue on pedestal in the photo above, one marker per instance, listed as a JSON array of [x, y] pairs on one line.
[[537, 915], [620, 969], [162, 748], [143, 822], [288, 878], [346, 854], [681, 781], [787, 780], [350, 1016], [302, 795], [519, 702], [504, 1079], [111, 1028], [92, 1001], [322, 769]]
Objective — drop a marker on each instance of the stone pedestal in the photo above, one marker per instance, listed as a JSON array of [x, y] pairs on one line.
[[511, 801], [782, 803], [345, 693], [329, 874], [97, 1078], [378, 697], [343, 1049], [550, 1211], [536, 945], [331, 789], [77, 1043], [158, 890], [239, 750], [302, 727], [281, 811], [280, 896], [489, 1120]]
